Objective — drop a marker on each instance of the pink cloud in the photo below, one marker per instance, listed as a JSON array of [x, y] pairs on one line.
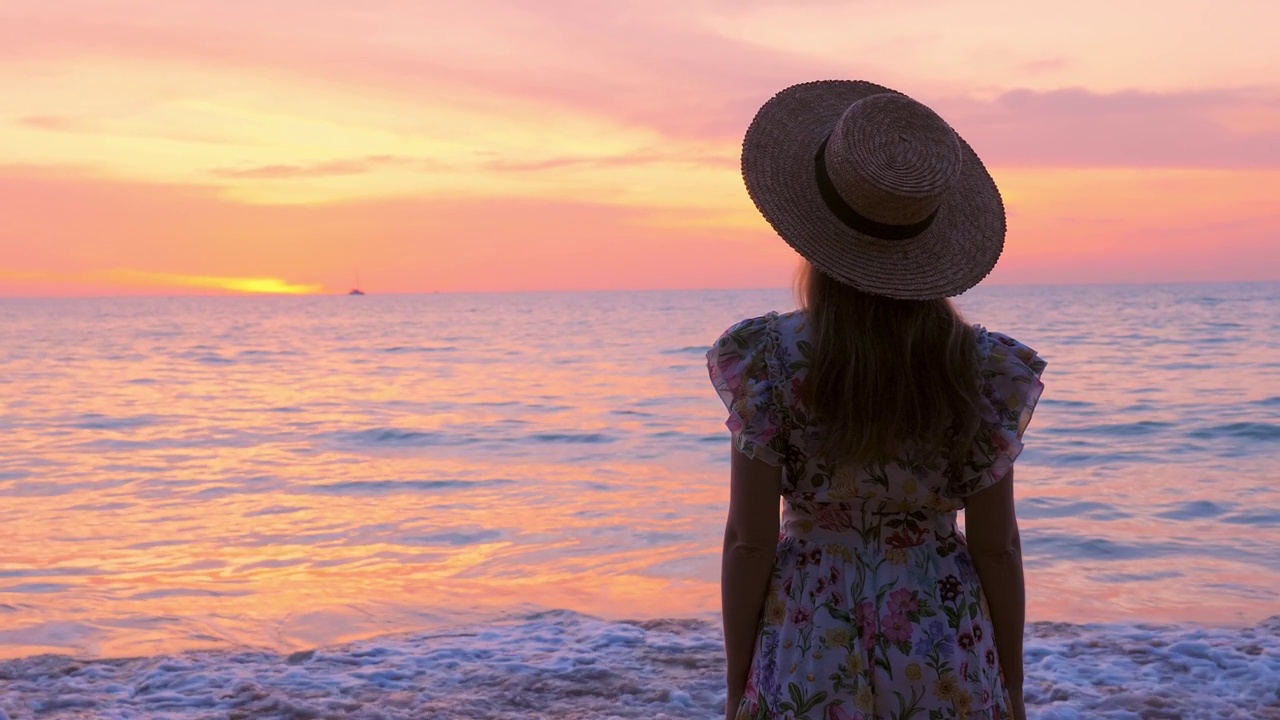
[[1079, 128], [56, 123], [1043, 66], [655, 67]]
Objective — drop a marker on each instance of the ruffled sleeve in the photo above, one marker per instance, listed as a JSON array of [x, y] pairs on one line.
[[1010, 387], [744, 370]]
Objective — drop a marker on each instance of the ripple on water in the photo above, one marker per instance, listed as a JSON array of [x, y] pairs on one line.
[[392, 487], [1263, 432], [1195, 510], [1141, 427], [1050, 507], [571, 437], [98, 421]]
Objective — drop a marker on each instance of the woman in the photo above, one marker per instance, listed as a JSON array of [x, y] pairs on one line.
[[877, 414]]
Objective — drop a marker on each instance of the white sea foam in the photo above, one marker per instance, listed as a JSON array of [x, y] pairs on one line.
[[567, 665]]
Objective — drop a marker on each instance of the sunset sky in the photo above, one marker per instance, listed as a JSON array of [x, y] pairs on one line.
[[216, 146]]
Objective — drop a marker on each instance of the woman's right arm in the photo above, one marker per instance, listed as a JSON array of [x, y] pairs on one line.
[[991, 527]]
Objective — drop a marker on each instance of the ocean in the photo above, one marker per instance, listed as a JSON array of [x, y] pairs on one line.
[[511, 505]]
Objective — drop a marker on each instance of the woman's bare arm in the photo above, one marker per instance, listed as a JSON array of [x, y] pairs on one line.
[[750, 541], [991, 526]]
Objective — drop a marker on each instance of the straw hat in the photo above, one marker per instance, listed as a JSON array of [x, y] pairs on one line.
[[874, 189]]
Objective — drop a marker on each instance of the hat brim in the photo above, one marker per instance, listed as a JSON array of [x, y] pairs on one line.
[[953, 254]]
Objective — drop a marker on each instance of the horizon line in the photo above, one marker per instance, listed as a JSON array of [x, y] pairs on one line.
[[162, 296]]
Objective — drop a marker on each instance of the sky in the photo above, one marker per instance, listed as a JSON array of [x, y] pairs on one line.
[[206, 146]]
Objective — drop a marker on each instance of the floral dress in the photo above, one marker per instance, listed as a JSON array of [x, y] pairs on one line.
[[874, 609]]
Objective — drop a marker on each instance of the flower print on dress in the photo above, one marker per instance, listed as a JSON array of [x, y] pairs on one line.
[[904, 601], [872, 577], [936, 640], [950, 589], [896, 628]]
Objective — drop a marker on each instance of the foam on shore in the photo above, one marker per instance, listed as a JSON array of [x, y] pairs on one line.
[[567, 665]]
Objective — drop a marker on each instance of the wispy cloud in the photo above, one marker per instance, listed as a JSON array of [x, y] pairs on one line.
[[599, 162], [348, 166]]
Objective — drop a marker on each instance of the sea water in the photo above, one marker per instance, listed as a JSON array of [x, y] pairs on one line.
[[511, 505]]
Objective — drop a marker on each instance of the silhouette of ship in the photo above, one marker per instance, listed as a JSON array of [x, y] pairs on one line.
[[356, 290]]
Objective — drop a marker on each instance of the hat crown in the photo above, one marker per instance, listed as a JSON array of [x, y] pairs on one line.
[[892, 159]]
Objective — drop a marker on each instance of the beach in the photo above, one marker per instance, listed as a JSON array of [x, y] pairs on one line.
[[511, 505]]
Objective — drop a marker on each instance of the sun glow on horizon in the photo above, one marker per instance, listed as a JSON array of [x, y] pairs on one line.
[[126, 280]]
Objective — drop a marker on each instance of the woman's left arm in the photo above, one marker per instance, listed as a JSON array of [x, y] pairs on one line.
[[750, 542]]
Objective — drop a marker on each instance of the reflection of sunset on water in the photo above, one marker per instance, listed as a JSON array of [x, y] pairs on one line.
[[292, 472]]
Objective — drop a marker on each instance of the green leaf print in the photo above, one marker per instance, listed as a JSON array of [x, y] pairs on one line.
[[801, 703], [906, 710], [806, 349]]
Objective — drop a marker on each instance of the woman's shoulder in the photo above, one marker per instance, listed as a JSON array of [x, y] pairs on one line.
[[772, 332], [747, 331], [1001, 353]]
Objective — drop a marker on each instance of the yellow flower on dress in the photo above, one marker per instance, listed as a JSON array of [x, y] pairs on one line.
[[938, 503], [856, 664], [963, 700], [842, 490], [776, 612], [897, 556], [864, 699], [909, 486], [837, 637], [944, 688], [914, 672]]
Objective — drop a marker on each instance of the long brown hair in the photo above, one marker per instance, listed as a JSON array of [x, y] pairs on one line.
[[885, 372]]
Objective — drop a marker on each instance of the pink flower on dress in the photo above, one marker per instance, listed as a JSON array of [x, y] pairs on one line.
[[801, 617], [897, 628], [904, 601], [903, 539], [727, 363], [1001, 442], [865, 614], [833, 516], [835, 712]]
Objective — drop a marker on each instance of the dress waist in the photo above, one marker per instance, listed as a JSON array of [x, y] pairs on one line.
[[863, 524]]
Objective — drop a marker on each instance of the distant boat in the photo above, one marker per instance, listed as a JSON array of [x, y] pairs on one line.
[[356, 291]]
